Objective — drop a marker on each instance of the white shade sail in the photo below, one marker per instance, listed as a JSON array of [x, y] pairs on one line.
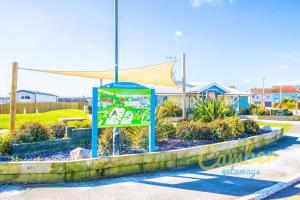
[[158, 74]]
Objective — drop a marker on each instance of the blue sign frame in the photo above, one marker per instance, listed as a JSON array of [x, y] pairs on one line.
[[125, 85]]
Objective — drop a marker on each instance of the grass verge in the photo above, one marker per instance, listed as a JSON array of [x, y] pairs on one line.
[[285, 126], [46, 118]]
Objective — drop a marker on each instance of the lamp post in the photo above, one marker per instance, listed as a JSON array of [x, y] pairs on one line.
[[116, 131], [116, 42]]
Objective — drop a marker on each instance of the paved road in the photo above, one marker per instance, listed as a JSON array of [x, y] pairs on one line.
[[183, 184], [291, 193]]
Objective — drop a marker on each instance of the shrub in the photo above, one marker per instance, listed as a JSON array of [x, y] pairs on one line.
[[251, 127], [262, 111], [194, 130], [208, 110], [259, 110], [236, 126], [226, 129], [32, 132], [5, 143], [167, 109], [165, 129], [286, 103], [244, 112], [252, 107], [90, 109], [106, 141], [57, 130], [143, 138], [83, 124]]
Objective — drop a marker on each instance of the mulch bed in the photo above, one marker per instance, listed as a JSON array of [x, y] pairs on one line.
[[171, 144]]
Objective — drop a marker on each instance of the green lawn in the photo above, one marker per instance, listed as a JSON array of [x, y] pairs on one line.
[[285, 126], [47, 118]]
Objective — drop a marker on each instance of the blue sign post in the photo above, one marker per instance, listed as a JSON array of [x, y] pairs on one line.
[[152, 122], [95, 123], [123, 104]]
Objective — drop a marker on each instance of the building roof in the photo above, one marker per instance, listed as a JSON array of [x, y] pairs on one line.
[[284, 89], [260, 90], [167, 90], [297, 86], [234, 92], [201, 87], [275, 89], [192, 87], [37, 92]]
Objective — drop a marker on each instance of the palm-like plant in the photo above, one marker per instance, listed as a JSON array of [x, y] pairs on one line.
[[167, 109], [208, 110]]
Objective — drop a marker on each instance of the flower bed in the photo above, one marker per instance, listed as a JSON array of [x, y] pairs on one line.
[[67, 171]]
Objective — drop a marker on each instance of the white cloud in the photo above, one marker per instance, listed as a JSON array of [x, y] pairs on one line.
[[296, 82], [291, 56], [247, 81], [280, 67], [198, 3], [248, 74], [283, 66], [178, 34]]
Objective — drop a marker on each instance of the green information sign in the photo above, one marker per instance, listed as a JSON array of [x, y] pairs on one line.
[[123, 107]]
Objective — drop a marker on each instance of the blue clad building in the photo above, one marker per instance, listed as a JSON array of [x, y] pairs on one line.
[[274, 94], [196, 91]]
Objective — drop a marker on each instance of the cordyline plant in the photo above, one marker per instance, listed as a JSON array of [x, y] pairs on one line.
[[167, 109], [208, 110]]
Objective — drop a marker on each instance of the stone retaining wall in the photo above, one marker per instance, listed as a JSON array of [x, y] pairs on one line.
[[279, 118], [272, 117], [75, 137], [67, 171]]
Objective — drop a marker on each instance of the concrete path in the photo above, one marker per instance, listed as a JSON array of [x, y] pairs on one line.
[[295, 128], [193, 183]]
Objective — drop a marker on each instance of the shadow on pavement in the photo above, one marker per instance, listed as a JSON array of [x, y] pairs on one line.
[[289, 192]]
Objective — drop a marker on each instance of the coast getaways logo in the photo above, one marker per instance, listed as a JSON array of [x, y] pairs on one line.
[[211, 158], [234, 171]]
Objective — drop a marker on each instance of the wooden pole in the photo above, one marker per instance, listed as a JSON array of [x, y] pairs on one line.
[[263, 93], [183, 88], [13, 98]]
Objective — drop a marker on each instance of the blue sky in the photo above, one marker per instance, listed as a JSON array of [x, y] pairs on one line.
[[234, 42]]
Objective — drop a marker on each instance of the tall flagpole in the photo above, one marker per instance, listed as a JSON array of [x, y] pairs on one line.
[[116, 131]]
